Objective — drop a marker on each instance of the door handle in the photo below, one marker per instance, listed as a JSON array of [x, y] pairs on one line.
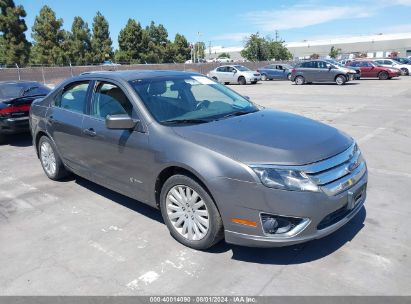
[[90, 132]]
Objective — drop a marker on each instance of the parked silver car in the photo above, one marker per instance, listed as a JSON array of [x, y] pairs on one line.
[[321, 71], [234, 74], [214, 163]]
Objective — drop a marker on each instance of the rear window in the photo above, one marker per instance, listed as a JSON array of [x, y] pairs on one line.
[[14, 90]]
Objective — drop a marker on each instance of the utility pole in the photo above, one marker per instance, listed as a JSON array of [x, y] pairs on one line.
[[276, 35], [209, 49]]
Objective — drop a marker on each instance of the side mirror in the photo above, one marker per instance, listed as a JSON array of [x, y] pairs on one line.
[[328, 66], [247, 97], [234, 71], [120, 122]]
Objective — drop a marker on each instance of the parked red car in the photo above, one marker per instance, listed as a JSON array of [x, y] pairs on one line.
[[370, 69]]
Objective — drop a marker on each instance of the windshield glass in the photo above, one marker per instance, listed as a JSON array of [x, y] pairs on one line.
[[189, 99], [241, 68], [17, 89]]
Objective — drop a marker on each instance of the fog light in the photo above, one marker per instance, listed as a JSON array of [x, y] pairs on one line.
[[275, 224]]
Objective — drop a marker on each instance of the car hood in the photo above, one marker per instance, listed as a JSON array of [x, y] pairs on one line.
[[268, 137]]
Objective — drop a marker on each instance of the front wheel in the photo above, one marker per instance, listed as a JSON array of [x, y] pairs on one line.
[[299, 80], [383, 76], [264, 77], [242, 81], [340, 80], [190, 213], [405, 71], [289, 76], [50, 160]]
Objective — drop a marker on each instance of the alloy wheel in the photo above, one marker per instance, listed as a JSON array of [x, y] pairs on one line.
[[187, 212], [48, 159]]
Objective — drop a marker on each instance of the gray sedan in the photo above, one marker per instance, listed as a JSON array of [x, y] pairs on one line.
[[215, 164], [234, 74]]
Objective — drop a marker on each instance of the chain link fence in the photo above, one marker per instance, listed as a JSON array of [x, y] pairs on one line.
[[55, 74]]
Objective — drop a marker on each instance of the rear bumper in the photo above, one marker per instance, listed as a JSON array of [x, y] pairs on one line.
[[14, 125]]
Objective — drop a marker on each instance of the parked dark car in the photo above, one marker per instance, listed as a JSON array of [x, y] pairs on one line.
[[321, 71], [370, 69], [275, 71], [214, 163], [15, 101]]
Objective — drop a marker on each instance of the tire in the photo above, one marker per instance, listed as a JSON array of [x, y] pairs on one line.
[[383, 76], [289, 76], [173, 202], [264, 77], [340, 80], [226, 83], [241, 80], [253, 82], [2, 139], [50, 160], [214, 78], [299, 80], [405, 71]]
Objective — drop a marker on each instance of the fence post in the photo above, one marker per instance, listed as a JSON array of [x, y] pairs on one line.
[[71, 69], [42, 74], [18, 70]]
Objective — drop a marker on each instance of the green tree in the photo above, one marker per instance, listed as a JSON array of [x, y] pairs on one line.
[[101, 42], [80, 42], [199, 49], [50, 41], [224, 55], [129, 41], [278, 51], [14, 47], [334, 52], [182, 47], [256, 48], [157, 33]]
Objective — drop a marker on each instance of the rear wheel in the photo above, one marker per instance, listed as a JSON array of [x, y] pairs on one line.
[[289, 76], [340, 79], [383, 76], [50, 160], [241, 80], [299, 80], [190, 213]]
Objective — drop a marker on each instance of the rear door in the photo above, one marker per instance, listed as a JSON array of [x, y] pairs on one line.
[[308, 71], [116, 158], [65, 118]]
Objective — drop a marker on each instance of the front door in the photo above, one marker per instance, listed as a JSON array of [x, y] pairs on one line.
[[115, 158]]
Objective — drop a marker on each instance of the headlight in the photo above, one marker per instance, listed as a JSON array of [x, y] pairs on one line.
[[285, 179]]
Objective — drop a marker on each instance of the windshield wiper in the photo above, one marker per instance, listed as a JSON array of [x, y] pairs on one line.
[[185, 121], [236, 113]]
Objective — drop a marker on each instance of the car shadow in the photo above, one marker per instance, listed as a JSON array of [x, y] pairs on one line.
[[18, 140], [297, 254], [332, 83], [120, 199]]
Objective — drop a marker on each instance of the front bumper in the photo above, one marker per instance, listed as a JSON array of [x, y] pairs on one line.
[[14, 125], [323, 211]]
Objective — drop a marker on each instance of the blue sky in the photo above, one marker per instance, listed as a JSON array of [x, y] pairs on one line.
[[228, 22]]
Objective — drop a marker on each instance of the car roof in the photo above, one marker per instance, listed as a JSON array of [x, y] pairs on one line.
[[135, 74]]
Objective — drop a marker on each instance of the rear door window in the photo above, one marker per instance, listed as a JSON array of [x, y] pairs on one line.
[[109, 99], [73, 97]]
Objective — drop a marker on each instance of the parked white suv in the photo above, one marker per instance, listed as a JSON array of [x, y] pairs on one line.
[[405, 68], [234, 74]]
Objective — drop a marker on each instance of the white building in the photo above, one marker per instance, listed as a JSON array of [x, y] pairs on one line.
[[380, 45]]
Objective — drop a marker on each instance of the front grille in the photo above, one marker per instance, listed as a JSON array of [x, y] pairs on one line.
[[339, 173]]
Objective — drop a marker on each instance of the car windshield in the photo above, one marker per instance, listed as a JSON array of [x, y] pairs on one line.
[[18, 89], [189, 99], [241, 68]]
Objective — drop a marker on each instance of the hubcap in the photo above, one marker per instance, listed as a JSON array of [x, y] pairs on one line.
[[299, 80], [187, 212], [47, 158], [340, 80]]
